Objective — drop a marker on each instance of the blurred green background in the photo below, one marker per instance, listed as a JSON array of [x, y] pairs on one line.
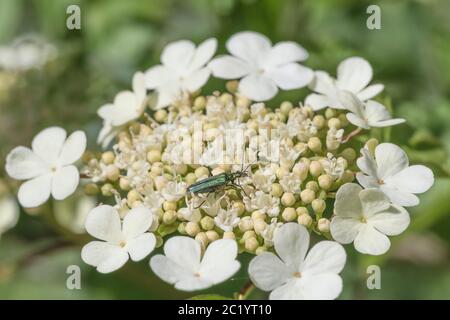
[[410, 55]]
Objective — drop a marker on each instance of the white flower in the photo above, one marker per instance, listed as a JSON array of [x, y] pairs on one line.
[[174, 191], [119, 240], [183, 265], [291, 183], [263, 178], [296, 275], [334, 138], [391, 173], [265, 202], [335, 167], [48, 165], [269, 231], [211, 205], [182, 70], [127, 106], [366, 217], [190, 214], [227, 219], [353, 74], [263, 68], [367, 115], [9, 214]]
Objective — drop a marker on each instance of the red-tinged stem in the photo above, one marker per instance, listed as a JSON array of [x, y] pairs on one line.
[[351, 135]]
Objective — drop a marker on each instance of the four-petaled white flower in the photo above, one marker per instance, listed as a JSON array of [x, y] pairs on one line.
[[174, 191], [48, 166], [263, 68], [366, 218], [227, 219], [120, 240], [295, 275], [127, 106], [353, 74], [9, 214], [391, 173], [367, 115], [182, 70], [183, 265]]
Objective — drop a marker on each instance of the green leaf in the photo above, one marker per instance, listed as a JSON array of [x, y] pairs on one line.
[[209, 297]]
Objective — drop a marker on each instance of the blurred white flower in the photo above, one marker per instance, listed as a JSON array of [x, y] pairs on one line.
[[353, 75], [263, 68], [263, 178], [182, 70], [174, 191], [295, 275], [366, 217], [264, 202], [211, 205], [48, 165], [119, 240], [391, 173], [227, 219], [183, 265], [71, 213], [9, 214], [127, 106], [367, 115]]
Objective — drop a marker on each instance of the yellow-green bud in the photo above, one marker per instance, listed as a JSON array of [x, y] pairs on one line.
[[301, 210], [124, 183], [212, 235], [169, 217], [202, 238], [182, 228], [154, 156], [314, 144], [371, 145], [112, 172], [312, 185], [276, 190], [288, 199], [199, 103], [307, 196], [315, 168], [192, 228], [248, 234], [259, 225], [133, 195], [260, 250], [318, 206], [190, 178], [232, 86], [319, 121], [229, 235], [323, 225], [285, 107], [160, 115], [107, 190], [349, 154], [239, 206], [91, 189], [289, 214], [251, 244], [207, 223], [246, 224], [258, 214], [305, 220], [334, 123], [330, 113], [344, 120], [108, 157], [201, 172], [325, 181]]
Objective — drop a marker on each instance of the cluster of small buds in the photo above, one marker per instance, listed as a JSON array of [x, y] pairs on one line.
[[152, 165]]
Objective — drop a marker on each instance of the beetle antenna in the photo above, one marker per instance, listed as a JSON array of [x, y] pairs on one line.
[[252, 163]]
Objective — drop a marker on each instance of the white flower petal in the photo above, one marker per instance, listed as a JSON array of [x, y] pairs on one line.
[[324, 257], [141, 246], [177, 55], [344, 230], [371, 241], [22, 164], [136, 222], [35, 192], [65, 182], [228, 67], [354, 74], [400, 197], [196, 80], [390, 159], [48, 143], [392, 221], [138, 85], [106, 257], [9, 214], [103, 223], [347, 202], [73, 148], [168, 270], [367, 163], [350, 102], [286, 52], [184, 251], [193, 283], [373, 201], [257, 87], [323, 83], [291, 76], [291, 290], [387, 123], [367, 181], [375, 111], [370, 92], [167, 95], [268, 272], [319, 101], [414, 179], [357, 121], [204, 52], [158, 76], [321, 287], [249, 46], [291, 244]]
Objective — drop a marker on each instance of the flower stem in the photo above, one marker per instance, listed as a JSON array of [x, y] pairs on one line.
[[351, 135], [245, 290]]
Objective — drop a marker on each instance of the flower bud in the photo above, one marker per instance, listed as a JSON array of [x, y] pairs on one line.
[[371, 144], [319, 121], [285, 107], [133, 195], [108, 157], [330, 113], [323, 225], [232, 86], [201, 172], [160, 115], [229, 235], [301, 210], [154, 156], [307, 196], [312, 185], [349, 154], [169, 217], [190, 178], [124, 183], [334, 123], [202, 238], [169, 205], [192, 228], [288, 199], [305, 220], [112, 172], [315, 145], [199, 103], [107, 190], [259, 225], [301, 169], [276, 190], [318, 206], [217, 171], [212, 235], [258, 214], [207, 223], [344, 121], [289, 214], [315, 168], [260, 250], [91, 189], [325, 181], [251, 244], [281, 172], [182, 228], [246, 224]]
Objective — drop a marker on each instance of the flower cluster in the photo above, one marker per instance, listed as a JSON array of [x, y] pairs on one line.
[[230, 174]]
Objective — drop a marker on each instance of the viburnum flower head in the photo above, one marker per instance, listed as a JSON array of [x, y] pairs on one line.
[[184, 266], [390, 172], [48, 166], [120, 239], [182, 70], [294, 274], [366, 115], [353, 74], [263, 68], [127, 106], [366, 218]]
